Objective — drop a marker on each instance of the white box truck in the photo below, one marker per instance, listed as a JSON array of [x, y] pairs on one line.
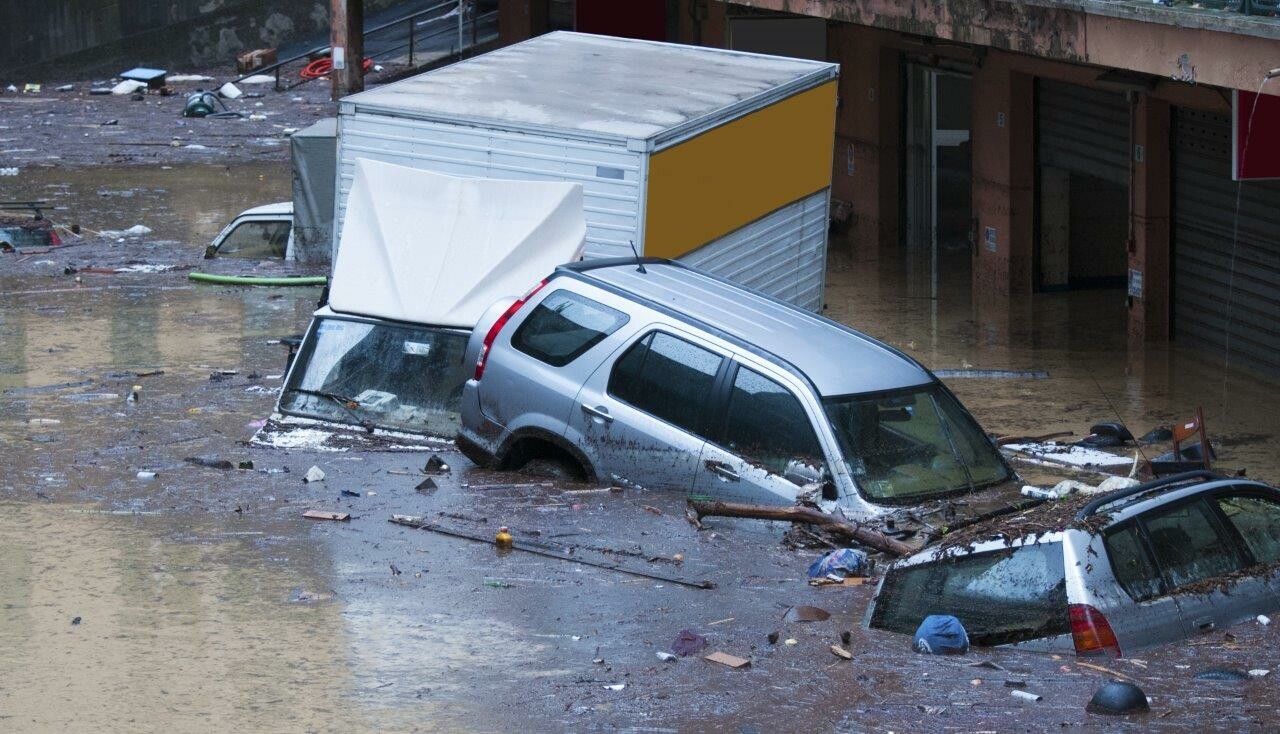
[[718, 158]]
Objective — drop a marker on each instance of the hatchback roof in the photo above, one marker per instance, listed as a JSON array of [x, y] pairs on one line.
[[835, 358]]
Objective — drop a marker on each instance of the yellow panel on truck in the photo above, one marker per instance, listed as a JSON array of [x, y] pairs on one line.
[[722, 179]]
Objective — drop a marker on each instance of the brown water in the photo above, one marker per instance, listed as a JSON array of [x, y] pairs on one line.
[[208, 603]]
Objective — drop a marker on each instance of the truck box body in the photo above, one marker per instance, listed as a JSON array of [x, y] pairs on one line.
[[718, 158]]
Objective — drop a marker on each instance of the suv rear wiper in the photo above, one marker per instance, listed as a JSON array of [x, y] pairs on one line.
[[343, 402]]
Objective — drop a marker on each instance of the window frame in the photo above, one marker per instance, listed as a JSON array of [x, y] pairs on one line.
[[721, 393], [710, 406], [1144, 543], [1239, 490], [259, 219], [1216, 517], [625, 318]]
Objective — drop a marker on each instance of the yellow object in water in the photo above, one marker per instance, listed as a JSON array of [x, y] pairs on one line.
[[503, 539]]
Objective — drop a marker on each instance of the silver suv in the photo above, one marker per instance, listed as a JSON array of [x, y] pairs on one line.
[[649, 372], [1151, 564]]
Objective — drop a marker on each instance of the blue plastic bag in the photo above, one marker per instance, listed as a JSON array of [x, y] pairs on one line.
[[842, 562], [941, 634]]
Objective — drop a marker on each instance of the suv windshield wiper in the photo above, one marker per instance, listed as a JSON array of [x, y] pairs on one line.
[[343, 402]]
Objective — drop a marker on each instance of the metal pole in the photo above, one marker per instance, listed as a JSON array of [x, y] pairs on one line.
[[411, 24], [461, 3]]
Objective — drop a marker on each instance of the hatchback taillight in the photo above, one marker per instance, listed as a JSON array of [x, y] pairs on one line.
[[497, 326], [1091, 631]]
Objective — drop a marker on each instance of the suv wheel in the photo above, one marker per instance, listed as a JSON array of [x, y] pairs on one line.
[[552, 468]]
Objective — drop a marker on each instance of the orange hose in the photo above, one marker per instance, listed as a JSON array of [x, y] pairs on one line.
[[322, 67]]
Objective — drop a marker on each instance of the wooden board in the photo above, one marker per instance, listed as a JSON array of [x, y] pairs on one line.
[[326, 515]]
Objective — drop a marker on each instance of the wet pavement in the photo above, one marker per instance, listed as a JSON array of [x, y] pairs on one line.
[[206, 601]]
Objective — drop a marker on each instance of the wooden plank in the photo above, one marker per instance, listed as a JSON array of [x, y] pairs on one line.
[[326, 515]]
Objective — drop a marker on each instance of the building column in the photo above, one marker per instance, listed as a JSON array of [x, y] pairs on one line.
[[1149, 247], [1003, 136], [519, 20], [868, 120], [702, 23]]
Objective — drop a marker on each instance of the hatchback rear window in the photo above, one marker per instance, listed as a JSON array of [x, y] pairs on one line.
[[563, 326], [1002, 597]]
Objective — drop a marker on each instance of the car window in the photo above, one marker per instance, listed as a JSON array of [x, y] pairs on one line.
[[1131, 564], [1027, 584], [667, 377], [1189, 545], [563, 326], [1258, 521], [256, 239], [767, 425]]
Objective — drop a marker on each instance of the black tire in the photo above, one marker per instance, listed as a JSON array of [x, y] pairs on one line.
[[552, 468]]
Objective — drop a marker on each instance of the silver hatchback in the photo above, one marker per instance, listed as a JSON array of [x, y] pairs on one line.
[[652, 373], [1142, 566]]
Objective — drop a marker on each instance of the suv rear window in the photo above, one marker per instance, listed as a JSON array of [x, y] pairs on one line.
[[1025, 587], [563, 326]]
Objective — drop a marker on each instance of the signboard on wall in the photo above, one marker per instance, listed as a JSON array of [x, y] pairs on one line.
[[1255, 136]]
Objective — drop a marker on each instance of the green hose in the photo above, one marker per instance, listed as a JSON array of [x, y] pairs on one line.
[[252, 280]]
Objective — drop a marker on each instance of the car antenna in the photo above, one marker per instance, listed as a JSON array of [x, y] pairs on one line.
[[639, 265]]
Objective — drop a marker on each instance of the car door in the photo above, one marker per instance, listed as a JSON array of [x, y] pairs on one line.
[[763, 436], [1196, 552], [641, 416]]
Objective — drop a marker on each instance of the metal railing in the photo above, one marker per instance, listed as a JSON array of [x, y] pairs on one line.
[[462, 25]]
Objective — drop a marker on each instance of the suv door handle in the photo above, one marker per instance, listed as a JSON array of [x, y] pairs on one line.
[[598, 412], [723, 469], [1204, 625]]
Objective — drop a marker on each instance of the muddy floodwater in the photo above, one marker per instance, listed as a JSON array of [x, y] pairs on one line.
[[201, 599]]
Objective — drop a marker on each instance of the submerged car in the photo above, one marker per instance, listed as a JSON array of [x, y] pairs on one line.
[[650, 372], [1137, 567], [262, 233], [383, 358]]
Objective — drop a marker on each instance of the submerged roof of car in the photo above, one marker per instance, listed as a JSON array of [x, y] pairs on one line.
[[835, 358]]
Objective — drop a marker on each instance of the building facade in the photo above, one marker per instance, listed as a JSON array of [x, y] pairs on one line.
[[1036, 146]]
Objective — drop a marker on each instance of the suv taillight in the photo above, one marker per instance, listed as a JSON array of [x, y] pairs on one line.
[[497, 326], [1091, 631]]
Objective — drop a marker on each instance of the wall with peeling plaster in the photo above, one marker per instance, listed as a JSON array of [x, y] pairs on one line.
[[55, 39]]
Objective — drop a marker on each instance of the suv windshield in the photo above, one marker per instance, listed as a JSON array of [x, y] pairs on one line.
[[396, 377], [1027, 585], [909, 444]]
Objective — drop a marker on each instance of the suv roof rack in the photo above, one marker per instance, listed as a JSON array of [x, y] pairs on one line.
[[1167, 482]]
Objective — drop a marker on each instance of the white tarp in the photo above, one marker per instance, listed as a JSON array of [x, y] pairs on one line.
[[434, 249]]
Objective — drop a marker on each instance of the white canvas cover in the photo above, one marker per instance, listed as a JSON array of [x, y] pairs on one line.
[[435, 249]]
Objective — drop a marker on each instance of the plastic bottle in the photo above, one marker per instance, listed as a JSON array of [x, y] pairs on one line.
[[503, 539]]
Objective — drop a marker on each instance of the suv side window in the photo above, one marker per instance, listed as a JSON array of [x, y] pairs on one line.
[[1131, 564], [1258, 521], [666, 377], [563, 326], [766, 424], [1189, 545]]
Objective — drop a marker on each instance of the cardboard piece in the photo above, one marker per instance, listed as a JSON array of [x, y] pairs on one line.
[[724, 658]]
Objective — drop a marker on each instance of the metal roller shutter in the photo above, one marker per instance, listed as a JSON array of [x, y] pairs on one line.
[[1218, 298], [1083, 130]]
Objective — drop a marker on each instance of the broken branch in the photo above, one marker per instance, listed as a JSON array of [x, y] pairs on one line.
[[865, 536]]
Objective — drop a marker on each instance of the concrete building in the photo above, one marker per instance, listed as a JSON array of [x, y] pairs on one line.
[[1012, 148]]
